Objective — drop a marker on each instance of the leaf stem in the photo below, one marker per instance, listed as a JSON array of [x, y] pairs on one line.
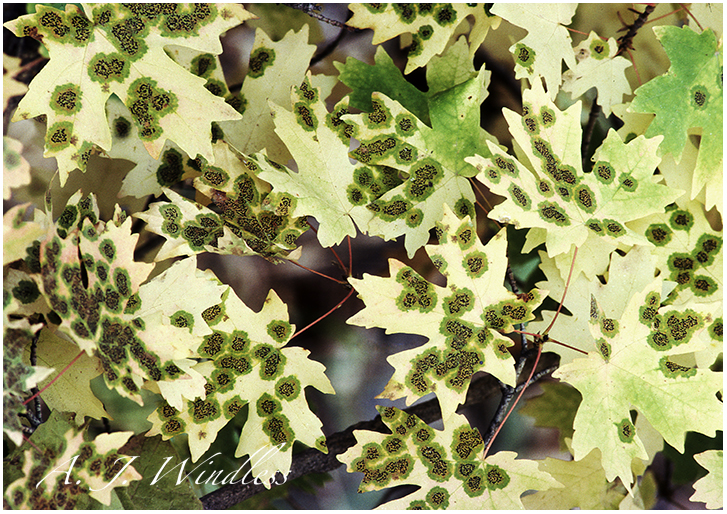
[[692, 16], [59, 375], [560, 306], [340, 262], [551, 340], [318, 273], [525, 384], [325, 315]]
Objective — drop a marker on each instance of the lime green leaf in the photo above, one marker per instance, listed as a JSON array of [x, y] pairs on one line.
[[324, 185], [709, 488], [447, 465], [164, 493], [275, 67], [18, 376], [598, 66], [556, 408], [383, 76], [16, 170], [547, 44], [431, 25], [113, 49], [558, 196], [689, 95], [461, 321], [636, 366], [249, 365], [72, 391], [69, 471]]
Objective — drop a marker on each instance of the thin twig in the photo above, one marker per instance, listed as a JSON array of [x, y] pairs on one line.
[[56, 378], [324, 316], [313, 461], [317, 272], [567, 284]]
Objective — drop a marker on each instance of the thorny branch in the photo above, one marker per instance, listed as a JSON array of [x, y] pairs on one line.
[[313, 461]]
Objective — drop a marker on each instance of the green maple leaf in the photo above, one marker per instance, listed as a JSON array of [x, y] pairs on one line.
[[115, 49], [461, 320], [689, 95], [431, 26], [249, 364], [433, 157], [69, 473], [598, 66], [274, 68], [558, 196], [637, 365], [547, 44], [137, 331], [322, 187], [556, 408], [447, 465], [708, 489]]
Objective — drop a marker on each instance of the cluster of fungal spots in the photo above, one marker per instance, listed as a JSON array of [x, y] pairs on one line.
[[673, 370], [379, 118], [214, 314], [375, 149], [475, 263], [609, 327], [626, 430], [172, 422], [501, 165], [684, 267], [171, 170], [659, 234], [369, 184], [648, 311], [461, 301], [524, 56], [279, 330], [65, 28], [423, 178], [681, 220], [699, 97], [59, 136], [673, 328], [599, 49], [148, 104], [343, 130], [203, 65], [217, 177], [66, 99], [288, 388], [105, 68], [502, 316], [405, 125], [604, 348], [553, 213], [182, 319], [172, 216], [260, 59], [416, 292], [519, 196]]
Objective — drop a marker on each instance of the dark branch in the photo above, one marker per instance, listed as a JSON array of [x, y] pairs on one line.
[[313, 461], [588, 131], [625, 41]]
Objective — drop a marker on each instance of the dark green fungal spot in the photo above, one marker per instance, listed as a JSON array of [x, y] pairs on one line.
[[599, 49], [66, 99], [445, 15], [659, 234], [613, 228], [260, 59], [553, 213], [524, 55], [626, 431], [604, 172], [681, 220], [700, 96], [496, 477]]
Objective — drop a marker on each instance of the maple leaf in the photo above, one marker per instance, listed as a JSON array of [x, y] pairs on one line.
[[625, 276], [461, 321], [547, 44], [688, 251], [69, 472], [432, 158], [150, 175], [708, 489], [324, 184], [116, 49], [16, 170], [72, 391], [636, 365], [137, 331], [558, 196], [385, 77], [274, 68], [249, 365], [11, 86], [447, 465], [689, 95], [18, 376], [431, 26], [597, 65]]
